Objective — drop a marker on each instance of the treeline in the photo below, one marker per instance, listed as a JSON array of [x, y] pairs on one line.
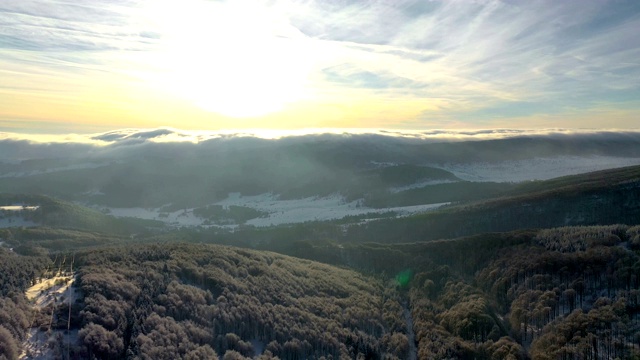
[[570, 239], [194, 301], [45, 240]]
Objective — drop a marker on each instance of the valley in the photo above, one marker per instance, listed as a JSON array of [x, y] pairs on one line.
[[359, 256]]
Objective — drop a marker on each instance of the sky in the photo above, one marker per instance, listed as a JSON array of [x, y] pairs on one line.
[[80, 66]]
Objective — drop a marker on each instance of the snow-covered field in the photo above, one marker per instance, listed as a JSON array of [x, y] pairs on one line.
[[18, 208], [280, 211], [10, 220], [311, 209], [179, 218], [536, 169]]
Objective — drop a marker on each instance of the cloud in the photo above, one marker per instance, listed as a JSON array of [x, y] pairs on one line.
[[128, 145], [478, 60], [490, 53], [125, 137], [133, 134], [18, 149], [353, 77], [70, 26]]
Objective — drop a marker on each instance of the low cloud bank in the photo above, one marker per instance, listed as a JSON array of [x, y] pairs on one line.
[[18, 147]]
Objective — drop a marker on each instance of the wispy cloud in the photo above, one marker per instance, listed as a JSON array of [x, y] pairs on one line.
[[491, 52], [458, 63]]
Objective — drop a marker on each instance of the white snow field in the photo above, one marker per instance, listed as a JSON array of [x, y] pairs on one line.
[[311, 208], [179, 218], [9, 219], [537, 168], [280, 211]]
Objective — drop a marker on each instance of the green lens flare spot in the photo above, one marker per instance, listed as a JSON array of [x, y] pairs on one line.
[[403, 278]]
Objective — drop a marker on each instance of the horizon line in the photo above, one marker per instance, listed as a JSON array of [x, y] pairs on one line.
[[172, 134]]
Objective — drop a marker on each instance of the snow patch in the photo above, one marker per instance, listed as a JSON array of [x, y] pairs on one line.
[[38, 343], [183, 217], [10, 216], [537, 168], [47, 291], [55, 290]]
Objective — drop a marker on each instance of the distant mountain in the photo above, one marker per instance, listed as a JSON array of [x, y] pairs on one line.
[[139, 172]]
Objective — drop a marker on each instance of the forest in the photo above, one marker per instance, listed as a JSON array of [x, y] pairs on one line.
[[559, 293]]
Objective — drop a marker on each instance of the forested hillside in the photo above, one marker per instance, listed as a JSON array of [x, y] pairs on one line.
[[53, 212], [600, 198], [194, 301], [569, 292]]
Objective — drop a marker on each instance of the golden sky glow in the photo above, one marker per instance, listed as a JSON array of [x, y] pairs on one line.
[[198, 64]]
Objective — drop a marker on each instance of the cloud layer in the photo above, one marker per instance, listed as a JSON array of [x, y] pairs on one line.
[[128, 137]]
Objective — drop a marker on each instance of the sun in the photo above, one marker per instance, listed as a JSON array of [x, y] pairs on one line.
[[231, 58]]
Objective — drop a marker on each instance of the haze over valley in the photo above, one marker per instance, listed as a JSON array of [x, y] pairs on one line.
[[232, 180]]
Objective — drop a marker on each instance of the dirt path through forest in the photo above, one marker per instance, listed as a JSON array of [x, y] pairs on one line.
[[413, 351]]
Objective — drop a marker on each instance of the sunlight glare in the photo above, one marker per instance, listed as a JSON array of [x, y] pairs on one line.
[[233, 59]]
